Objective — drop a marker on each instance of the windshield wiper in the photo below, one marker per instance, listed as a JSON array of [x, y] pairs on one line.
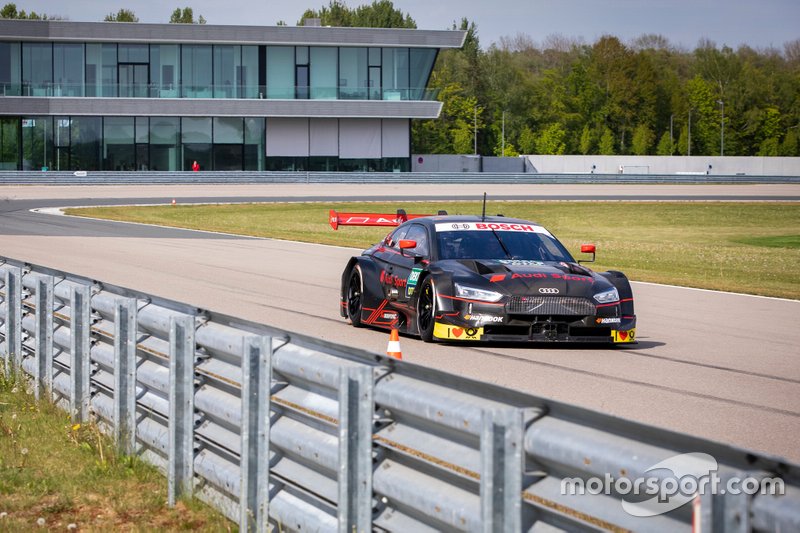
[[496, 236]]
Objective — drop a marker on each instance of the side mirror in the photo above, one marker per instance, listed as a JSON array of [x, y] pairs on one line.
[[588, 249], [406, 244]]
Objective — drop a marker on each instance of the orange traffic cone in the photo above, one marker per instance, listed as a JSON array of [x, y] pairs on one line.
[[393, 348]]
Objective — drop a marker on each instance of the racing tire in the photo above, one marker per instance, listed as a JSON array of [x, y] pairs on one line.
[[355, 296], [426, 310]]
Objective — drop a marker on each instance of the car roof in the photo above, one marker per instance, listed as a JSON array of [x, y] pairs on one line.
[[439, 219]]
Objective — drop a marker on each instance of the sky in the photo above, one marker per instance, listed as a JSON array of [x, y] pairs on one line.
[[756, 23]]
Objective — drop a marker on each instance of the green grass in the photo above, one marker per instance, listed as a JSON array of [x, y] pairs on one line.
[[67, 474], [735, 246]]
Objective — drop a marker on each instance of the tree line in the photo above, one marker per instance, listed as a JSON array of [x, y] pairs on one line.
[[566, 96]]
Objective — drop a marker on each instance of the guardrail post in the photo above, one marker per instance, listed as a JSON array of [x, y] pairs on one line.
[[43, 369], [13, 305], [180, 472], [79, 353], [501, 470], [254, 455], [356, 410], [125, 375]]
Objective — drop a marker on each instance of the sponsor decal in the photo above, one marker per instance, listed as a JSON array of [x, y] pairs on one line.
[[497, 277], [542, 275], [411, 283], [520, 262], [491, 226], [455, 333], [608, 320], [623, 336], [484, 319], [392, 281], [548, 290], [390, 316]]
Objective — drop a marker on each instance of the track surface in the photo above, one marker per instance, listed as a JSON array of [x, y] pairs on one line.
[[717, 365]]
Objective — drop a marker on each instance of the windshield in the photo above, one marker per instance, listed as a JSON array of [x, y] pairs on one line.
[[500, 244]]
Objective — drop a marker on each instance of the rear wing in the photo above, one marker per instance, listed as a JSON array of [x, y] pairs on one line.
[[372, 219]]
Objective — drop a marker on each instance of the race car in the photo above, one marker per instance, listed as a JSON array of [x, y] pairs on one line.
[[481, 278]]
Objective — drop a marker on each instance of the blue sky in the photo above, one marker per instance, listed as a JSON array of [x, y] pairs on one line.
[[757, 23]]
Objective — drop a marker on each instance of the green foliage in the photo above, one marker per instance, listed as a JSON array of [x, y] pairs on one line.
[[123, 15], [9, 11], [643, 139], [665, 145], [607, 142], [606, 96], [185, 16], [551, 140], [379, 14]]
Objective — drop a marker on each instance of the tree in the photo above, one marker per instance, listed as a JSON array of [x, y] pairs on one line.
[[551, 140], [665, 145], [9, 11], [123, 15], [587, 140], [607, 142], [379, 14], [642, 140], [185, 16]]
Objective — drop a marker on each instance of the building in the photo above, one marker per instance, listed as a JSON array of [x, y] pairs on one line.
[[130, 96]]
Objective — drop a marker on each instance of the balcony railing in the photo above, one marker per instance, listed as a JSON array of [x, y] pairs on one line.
[[226, 91]]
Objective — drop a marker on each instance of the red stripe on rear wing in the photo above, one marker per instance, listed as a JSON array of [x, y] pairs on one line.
[[370, 219]]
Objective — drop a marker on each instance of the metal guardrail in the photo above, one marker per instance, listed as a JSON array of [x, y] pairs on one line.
[[276, 428], [214, 177]]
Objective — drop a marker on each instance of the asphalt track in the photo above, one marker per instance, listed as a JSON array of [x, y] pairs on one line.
[[718, 365]]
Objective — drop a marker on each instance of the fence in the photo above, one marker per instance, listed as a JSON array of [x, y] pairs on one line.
[[274, 428], [54, 177]]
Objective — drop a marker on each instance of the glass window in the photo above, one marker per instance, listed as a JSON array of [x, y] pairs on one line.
[[418, 233], [10, 79], [323, 73], [37, 69], [9, 143], [421, 63], [101, 69], [227, 62], [118, 149], [85, 133], [196, 75], [68, 69], [247, 75], [37, 143], [353, 73], [196, 138], [61, 131], [395, 74], [142, 130], [254, 149], [133, 53], [164, 145], [164, 70], [280, 72], [301, 79], [228, 130]]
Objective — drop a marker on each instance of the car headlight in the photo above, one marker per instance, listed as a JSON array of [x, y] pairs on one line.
[[471, 293], [607, 297]]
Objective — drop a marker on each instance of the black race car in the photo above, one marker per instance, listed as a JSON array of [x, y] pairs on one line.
[[473, 278]]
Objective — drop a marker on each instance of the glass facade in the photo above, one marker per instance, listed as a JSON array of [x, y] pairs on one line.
[[218, 71], [133, 70]]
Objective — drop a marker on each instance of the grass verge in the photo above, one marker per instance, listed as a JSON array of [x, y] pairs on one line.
[[54, 473], [734, 246]]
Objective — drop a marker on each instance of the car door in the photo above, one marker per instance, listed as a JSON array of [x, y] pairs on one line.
[[409, 264]]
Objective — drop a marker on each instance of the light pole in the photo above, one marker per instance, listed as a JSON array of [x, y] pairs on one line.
[[503, 137], [475, 130], [722, 129], [689, 141], [671, 141]]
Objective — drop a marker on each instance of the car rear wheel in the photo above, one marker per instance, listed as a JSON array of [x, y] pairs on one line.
[[355, 292], [426, 310]]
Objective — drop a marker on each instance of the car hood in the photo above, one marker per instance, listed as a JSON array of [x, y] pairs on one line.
[[527, 278]]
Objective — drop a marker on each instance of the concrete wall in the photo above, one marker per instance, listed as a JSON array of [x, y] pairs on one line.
[[610, 164], [466, 163]]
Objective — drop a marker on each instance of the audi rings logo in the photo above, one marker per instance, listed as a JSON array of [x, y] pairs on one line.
[[548, 290]]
